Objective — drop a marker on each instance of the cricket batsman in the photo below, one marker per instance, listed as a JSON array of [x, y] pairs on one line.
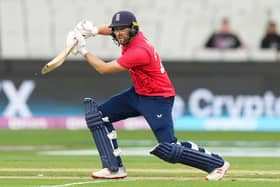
[[151, 96]]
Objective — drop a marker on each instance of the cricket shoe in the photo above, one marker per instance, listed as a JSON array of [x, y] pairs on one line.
[[218, 173], [105, 173]]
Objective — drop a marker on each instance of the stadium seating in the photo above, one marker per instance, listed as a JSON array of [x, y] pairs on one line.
[[178, 29], [13, 30]]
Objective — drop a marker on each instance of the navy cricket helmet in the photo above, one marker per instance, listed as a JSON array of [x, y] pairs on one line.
[[123, 18]]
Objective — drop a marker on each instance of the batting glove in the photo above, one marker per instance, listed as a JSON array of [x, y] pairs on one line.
[[86, 28], [70, 39], [81, 46]]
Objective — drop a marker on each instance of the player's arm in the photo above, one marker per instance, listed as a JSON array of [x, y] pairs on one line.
[[104, 30], [103, 67], [133, 57], [87, 29]]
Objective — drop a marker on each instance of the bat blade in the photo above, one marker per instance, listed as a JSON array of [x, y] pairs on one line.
[[59, 59]]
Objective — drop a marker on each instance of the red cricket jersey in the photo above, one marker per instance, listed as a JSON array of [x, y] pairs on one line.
[[146, 70]]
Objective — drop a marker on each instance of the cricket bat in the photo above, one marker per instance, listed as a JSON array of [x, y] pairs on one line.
[[59, 59]]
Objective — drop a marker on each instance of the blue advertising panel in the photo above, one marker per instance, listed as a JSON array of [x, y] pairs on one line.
[[210, 96]]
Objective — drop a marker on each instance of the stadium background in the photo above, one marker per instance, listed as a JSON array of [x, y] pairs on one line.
[[217, 90]]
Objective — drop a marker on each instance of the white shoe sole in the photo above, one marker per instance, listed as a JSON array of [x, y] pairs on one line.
[[108, 177], [224, 169], [106, 174]]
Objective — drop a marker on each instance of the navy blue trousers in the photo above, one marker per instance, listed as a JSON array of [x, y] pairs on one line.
[[155, 109]]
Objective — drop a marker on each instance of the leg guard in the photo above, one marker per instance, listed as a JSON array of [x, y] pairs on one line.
[[176, 153], [191, 145], [100, 135]]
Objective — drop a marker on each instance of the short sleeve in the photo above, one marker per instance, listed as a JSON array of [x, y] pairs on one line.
[[133, 57]]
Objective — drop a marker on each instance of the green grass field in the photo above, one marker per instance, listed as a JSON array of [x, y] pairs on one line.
[[23, 162]]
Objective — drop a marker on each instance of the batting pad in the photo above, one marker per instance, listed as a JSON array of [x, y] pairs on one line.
[[100, 135], [175, 153]]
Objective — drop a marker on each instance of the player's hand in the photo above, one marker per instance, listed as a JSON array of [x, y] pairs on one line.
[[81, 45], [86, 28], [70, 39]]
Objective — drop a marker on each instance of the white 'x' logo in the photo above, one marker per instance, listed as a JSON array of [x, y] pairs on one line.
[[17, 98]]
